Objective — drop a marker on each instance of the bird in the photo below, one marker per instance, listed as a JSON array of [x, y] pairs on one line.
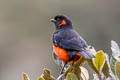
[[67, 44]]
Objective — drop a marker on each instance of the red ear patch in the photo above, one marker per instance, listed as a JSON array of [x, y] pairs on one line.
[[62, 23]]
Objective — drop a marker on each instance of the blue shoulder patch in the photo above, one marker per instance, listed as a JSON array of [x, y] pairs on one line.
[[71, 54]]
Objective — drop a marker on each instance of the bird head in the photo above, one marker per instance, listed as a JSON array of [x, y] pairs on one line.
[[61, 21]]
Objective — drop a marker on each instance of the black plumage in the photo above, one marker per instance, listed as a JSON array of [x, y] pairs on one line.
[[67, 38]]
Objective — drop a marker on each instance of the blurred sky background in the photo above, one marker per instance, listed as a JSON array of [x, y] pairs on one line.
[[26, 32]]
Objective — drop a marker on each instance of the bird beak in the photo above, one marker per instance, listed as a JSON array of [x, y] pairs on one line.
[[53, 20]]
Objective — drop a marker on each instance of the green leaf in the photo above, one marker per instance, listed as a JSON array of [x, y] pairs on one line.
[[91, 64], [25, 76], [40, 78], [71, 76], [99, 60], [47, 75], [106, 68], [117, 69], [112, 64], [75, 68]]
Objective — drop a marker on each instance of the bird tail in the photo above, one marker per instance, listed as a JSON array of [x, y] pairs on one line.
[[87, 54]]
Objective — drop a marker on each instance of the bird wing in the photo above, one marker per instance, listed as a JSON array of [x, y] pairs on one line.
[[69, 40], [77, 44], [73, 44]]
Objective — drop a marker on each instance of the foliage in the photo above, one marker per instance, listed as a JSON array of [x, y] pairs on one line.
[[104, 68], [25, 76]]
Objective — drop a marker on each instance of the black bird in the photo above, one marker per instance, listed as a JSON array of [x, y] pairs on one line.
[[68, 45]]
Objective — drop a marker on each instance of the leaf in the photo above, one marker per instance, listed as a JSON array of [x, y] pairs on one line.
[[91, 64], [71, 76], [40, 78], [47, 75], [112, 64], [99, 60], [115, 50], [117, 69], [74, 69], [25, 76], [106, 68], [84, 73], [115, 58]]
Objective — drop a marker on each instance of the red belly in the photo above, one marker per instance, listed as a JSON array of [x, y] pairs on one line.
[[61, 53]]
